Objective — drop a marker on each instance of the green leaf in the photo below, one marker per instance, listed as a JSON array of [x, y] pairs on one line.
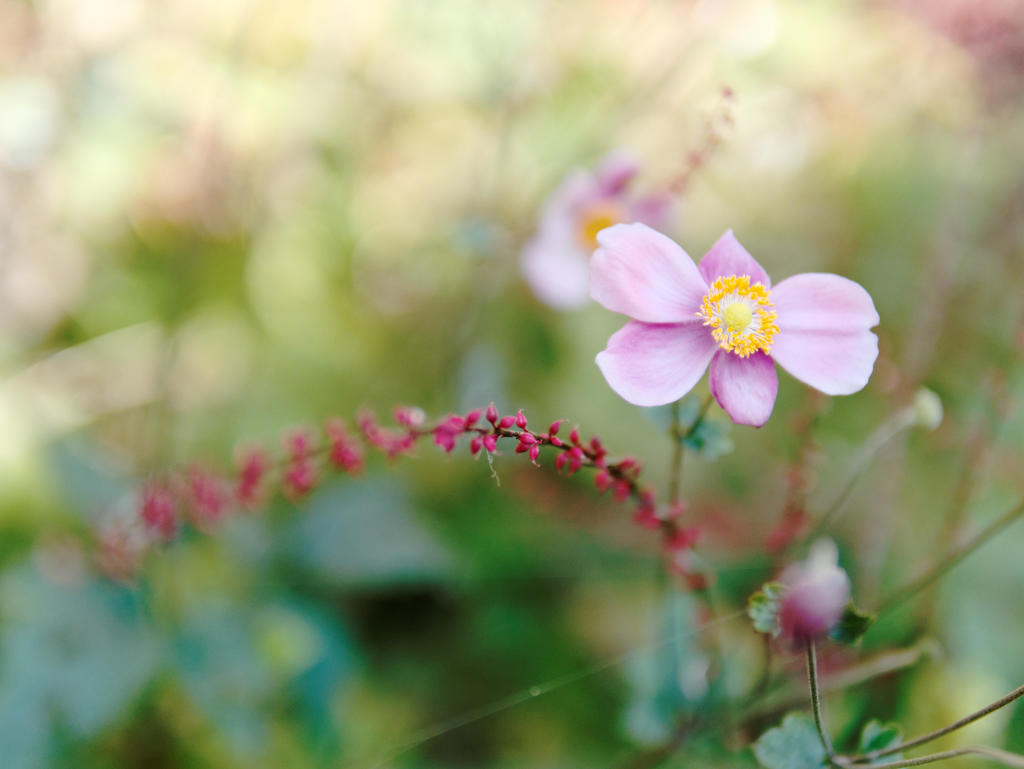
[[879, 736], [710, 439], [852, 625], [793, 745], [763, 608]]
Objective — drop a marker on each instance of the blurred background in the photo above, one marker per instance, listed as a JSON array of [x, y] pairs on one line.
[[220, 219]]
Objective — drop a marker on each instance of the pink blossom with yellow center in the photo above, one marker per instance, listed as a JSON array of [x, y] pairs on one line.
[[725, 314], [556, 260]]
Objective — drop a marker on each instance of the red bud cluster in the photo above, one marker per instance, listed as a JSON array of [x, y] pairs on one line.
[[204, 498]]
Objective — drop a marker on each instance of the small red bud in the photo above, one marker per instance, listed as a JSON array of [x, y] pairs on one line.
[[534, 452], [492, 413], [520, 420]]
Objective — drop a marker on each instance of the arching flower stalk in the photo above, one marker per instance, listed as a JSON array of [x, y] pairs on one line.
[[203, 498]]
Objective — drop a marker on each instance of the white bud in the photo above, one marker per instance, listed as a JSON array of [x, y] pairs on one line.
[[927, 408]]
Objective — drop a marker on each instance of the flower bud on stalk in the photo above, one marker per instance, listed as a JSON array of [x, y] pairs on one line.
[[817, 591]]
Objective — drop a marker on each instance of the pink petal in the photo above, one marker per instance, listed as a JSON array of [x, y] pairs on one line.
[[727, 257], [824, 338], [654, 210], [577, 190], [616, 171], [653, 364], [641, 273], [557, 269], [744, 387]]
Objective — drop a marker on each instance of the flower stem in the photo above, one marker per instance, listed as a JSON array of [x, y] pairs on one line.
[[1001, 702], [875, 442], [1001, 756], [812, 680], [952, 559], [675, 472]]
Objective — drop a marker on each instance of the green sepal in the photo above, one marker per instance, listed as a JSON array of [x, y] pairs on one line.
[[853, 624], [763, 608]]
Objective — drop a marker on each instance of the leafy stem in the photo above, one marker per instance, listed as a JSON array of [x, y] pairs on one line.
[[991, 708], [1001, 756]]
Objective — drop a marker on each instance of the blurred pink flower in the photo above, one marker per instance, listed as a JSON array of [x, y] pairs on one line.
[[725, 314], [555, 261], [817, 591]]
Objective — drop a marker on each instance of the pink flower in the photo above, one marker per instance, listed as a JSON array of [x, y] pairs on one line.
[[725, 313], [555, 260], [817, 591]]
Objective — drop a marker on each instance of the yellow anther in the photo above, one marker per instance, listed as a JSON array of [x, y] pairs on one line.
[[740, 314]]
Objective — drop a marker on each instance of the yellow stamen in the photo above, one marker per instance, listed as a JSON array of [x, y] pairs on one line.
[[740, 314], [597, 217]]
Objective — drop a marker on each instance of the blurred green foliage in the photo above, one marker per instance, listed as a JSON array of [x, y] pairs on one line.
[[218, 220]]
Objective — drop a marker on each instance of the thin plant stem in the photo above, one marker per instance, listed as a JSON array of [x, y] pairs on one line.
[[812, 680], [874, 443], [1001, 756], [679, 436], [1000, 703], [952, 559], [675, 471]]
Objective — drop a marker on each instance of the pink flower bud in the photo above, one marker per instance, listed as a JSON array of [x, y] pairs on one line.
[[553, 429], [298, 444], [520, 420], [492, 413], [208, 497], [817, 591], [603, 481], [410, 416], [252, 468], [646, 516], [345, 452], [574, 436], [534, 452], [491, 443], [300, 477], [560, 460], [621, 490], [506, 422], [527, 438], [475, 445], [472, 417], [159, 511], [444, 438], [683, 538]]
